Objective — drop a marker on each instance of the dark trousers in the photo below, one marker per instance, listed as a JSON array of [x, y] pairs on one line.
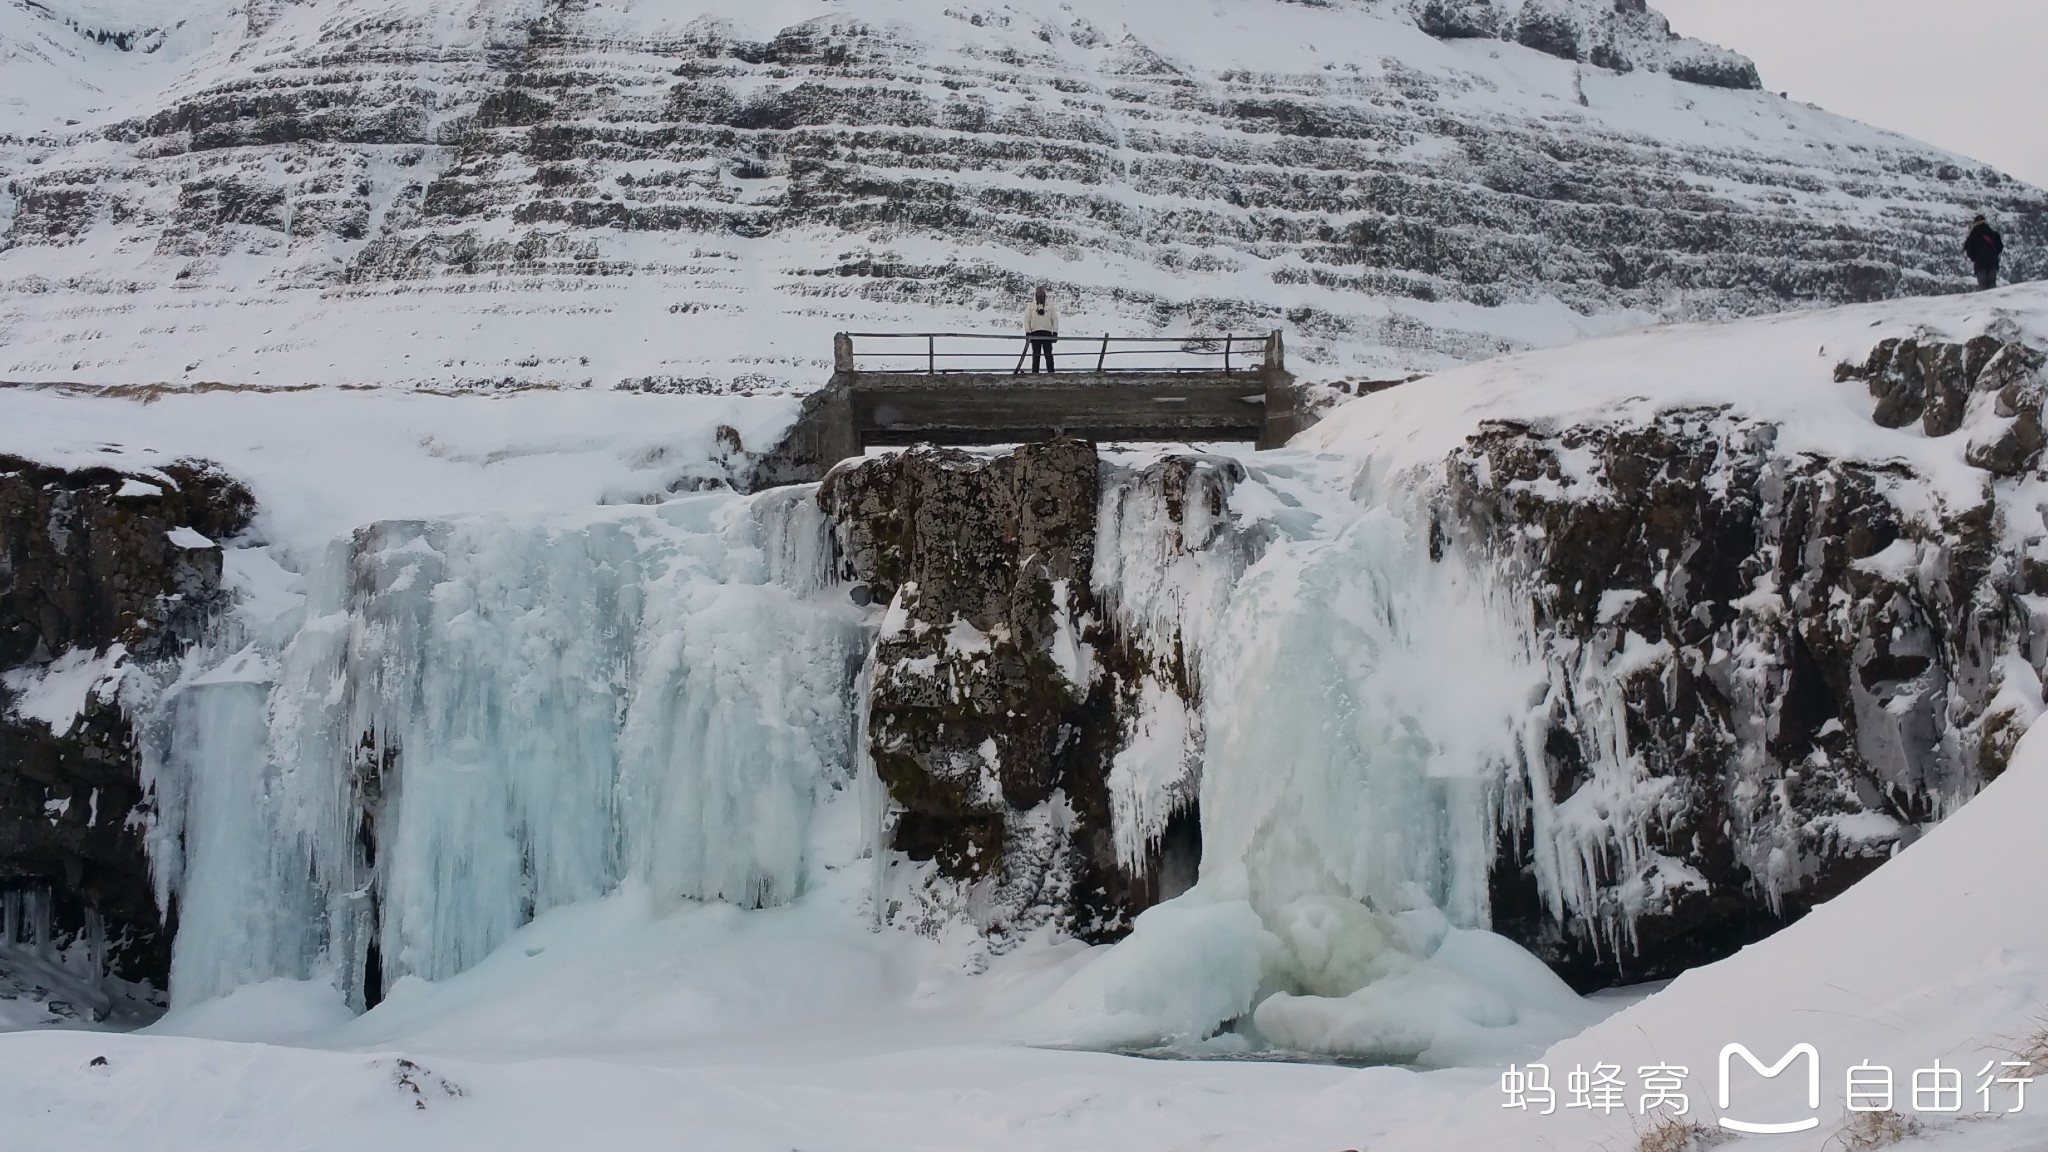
[[1987, 275], [1041, 348]]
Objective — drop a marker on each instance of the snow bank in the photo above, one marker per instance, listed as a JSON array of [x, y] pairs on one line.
[[273, 1012], [1453, 996], [1325, 976], [1189, 967], [324, 463], [54, 694], [1775, 368], [1941, 954]]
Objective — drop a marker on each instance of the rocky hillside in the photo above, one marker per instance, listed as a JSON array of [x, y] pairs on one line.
[[1766, 671], [692, 197], [1786, 617]]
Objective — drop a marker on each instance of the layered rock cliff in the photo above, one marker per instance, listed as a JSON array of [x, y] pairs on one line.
[[520, 193]]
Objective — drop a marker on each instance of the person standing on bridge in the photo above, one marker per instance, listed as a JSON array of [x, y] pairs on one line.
[[1041, 329]]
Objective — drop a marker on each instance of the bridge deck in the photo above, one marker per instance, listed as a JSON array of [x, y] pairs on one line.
[[1002, 408]]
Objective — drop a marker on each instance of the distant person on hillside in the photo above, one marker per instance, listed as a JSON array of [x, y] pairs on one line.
[[1984, 247], [1041, 328]]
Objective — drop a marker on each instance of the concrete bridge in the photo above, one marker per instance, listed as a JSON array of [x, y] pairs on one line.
[[900, 388]]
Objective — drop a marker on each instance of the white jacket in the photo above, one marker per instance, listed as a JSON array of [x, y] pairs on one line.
[[1041, 317]]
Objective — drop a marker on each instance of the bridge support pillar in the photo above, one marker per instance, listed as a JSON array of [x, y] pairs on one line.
[[823, 435], [1285, 416]]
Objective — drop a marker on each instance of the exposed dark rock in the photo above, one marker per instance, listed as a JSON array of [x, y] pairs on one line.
[[1898, 379], [1934, 383], [998, 696], [89, 563], [1459, 19], [2013, 447], [86, 567], [1617, 35], [1551, 27], [1804, 671], [1947, 388], [1716, 70]]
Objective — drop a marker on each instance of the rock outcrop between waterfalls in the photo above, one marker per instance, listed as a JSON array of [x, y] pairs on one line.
[[999, 694], [1767, 671]]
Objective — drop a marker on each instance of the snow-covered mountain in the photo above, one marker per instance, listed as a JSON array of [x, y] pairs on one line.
[[692, 195]]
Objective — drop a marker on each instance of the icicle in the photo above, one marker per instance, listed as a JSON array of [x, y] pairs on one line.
[[249, 904], [482, 719], [873, 795]]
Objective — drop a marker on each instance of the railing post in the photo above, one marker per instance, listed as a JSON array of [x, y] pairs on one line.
[[1226, 351], [1102, 358], [842, 352], [931, 355]]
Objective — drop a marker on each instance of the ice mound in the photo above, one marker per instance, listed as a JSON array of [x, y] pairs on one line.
[[1324, 976]]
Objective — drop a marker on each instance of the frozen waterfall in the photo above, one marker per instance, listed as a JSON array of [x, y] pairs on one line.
[[476, 720], [1362, 706], [469, 722], [1359, 699]]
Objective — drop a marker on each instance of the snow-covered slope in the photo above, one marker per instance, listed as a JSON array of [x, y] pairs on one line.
[[325, 463], [1940, 958], [1777, 368], [693, 194]]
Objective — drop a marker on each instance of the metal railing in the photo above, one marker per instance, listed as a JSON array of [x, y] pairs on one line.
[[942, 353]]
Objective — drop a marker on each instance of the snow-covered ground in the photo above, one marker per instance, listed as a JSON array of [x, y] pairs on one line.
[[1775, 368], [324, 462]]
